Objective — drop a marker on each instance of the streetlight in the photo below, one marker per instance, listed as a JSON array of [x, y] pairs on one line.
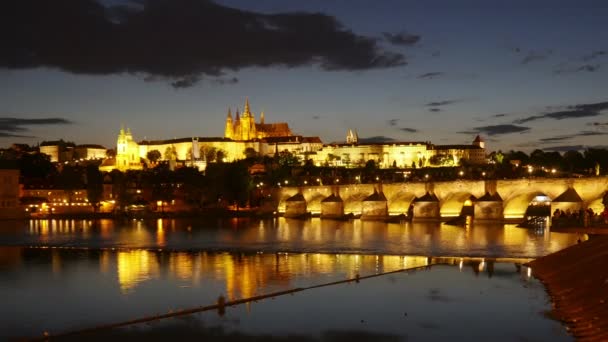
[[461, 173]]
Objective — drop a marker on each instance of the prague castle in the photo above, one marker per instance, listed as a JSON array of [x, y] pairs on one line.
[[244, 126], [243, 134]]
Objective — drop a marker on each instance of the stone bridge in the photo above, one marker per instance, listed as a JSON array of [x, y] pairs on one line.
[[487, 199]]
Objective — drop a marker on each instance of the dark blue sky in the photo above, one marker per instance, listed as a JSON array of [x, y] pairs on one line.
[[523, 76]]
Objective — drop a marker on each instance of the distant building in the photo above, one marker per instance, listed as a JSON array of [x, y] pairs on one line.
[[239, 135], [90, 151], [268, 139], [60, 151], [399, 154], [9, 191]]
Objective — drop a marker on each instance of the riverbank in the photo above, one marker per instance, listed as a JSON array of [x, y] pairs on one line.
[[577, 281]]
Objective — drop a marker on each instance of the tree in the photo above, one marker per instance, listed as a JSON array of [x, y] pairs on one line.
[[219, 158], [497, 157], [94, 180], [70, 179], [209, 152], [250, 153], [153, 155], [170, 153], [288, 159], [110, 153], [573, 160], [37, 165], [441, 159]]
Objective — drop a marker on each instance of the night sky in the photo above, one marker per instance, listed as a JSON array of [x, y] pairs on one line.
[[522, 75]]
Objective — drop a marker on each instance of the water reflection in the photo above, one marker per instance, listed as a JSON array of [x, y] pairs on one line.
[[287, 235], [101, 286], [241, 275]]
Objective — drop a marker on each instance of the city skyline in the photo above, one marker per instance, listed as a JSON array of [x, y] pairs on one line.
[[522, 76]]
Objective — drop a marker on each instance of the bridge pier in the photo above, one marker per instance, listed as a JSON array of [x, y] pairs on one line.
[[426, 208], [375, 207], [332, 207], [295, 206], [488, 208]]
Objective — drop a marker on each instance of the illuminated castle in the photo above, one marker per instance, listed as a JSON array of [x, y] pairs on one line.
[[245, 128], [243, 134]]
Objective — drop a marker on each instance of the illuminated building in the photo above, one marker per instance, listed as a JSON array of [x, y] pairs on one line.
[[267, 139]]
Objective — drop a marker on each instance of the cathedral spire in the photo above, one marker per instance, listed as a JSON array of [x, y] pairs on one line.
[[246, 111], [262, 117], [229, 117]]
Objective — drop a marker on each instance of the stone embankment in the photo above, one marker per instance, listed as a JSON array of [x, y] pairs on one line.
[[577, 281]]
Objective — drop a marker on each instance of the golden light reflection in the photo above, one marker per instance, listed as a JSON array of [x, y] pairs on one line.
[[135, 267], [181, 265], [56, 262], [104, 261], [160, 233]]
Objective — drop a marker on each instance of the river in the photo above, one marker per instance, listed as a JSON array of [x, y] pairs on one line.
[[64, 275]]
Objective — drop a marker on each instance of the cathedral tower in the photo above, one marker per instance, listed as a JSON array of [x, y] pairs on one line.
[[229, 131], [127, 151]]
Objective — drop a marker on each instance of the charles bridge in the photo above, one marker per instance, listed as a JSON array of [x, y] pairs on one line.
[[485, 199]]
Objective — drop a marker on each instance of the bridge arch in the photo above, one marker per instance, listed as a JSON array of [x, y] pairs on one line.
[[313, 202], [516, 206], [354, 201], [596, 204], [399, 202], [452, 205]]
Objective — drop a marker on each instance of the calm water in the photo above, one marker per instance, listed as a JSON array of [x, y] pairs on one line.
[[67, 275], [285, 235]]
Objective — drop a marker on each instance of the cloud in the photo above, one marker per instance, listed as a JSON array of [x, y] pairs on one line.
[[11, 127], [184, 41], [593, 55], [408, 130], [222, 81], [441, 103], [535, 56], [401, 38], [497, 129], [590, 133], [430, 75], [565, 148], [392, 122], [566, 68], [576, 111], [558, 138], [186, 82], [571, 136], [435, 110], [588, 67], [376, 139], [316, 117]]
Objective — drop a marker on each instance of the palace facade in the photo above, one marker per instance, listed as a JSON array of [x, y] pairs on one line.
[[243, 135]]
